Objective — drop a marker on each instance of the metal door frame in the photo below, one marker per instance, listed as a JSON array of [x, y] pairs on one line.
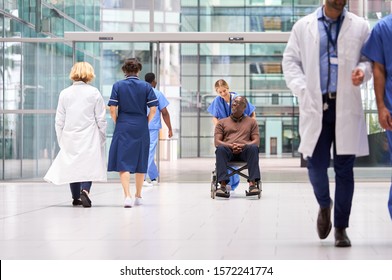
[[157, 37]]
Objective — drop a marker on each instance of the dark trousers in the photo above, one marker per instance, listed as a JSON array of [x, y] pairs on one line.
[[344, 175], [250, 155], [77, 187]]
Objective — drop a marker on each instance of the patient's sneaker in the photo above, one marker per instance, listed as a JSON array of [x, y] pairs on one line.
[[147, 184]]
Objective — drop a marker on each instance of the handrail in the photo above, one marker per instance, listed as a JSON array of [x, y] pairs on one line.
[[32, 40]]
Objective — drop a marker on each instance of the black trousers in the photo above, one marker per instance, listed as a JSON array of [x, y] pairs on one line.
[[250, 155], [77, 187]]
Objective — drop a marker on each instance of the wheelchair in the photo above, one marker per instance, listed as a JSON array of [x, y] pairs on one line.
[[234, 167]]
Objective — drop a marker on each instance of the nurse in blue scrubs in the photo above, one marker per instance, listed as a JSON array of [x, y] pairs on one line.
[[221, 108], [130, 144]]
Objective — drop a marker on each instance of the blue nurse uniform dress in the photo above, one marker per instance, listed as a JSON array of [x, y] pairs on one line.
[[220, 109], [131, 139]]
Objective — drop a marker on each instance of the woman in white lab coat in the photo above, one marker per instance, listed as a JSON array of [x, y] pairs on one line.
[[81, 134]]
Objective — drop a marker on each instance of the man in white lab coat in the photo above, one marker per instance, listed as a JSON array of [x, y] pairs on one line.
[[323, 67]]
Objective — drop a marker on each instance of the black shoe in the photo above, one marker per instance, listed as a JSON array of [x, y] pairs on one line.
[[341, 238], [86, 202], [76, 202], [324, 223]]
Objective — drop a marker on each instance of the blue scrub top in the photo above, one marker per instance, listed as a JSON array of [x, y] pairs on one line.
[[156, 123], [131, 96], [378, 49], [220, 109]]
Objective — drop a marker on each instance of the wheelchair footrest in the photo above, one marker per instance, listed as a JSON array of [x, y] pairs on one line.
[[252, 193], [222, 194], [253, 190]]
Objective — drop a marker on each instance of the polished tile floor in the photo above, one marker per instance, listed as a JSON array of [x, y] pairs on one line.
[[179, 220]]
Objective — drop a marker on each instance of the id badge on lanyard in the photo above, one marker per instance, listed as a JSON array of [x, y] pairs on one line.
[[333, 60]]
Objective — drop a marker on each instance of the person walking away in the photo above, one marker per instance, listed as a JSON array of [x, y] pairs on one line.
[[80, 125], [128, 153], [154, 126]]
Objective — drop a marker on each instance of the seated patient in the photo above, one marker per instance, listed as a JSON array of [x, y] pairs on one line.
[[237, 139]]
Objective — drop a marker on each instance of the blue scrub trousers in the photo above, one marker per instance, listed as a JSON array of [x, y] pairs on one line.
[[389, 137], [152, 170], [318, 165], [234, 179]]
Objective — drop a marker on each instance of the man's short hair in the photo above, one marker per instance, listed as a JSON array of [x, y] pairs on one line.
[[149, 77], [244, 100]]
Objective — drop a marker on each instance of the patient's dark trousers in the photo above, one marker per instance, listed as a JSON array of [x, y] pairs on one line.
[[250, 155]]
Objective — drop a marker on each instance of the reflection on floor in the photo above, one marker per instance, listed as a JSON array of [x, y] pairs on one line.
[[179, 220]]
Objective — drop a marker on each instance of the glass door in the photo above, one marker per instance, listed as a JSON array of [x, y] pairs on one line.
[[186, 74]]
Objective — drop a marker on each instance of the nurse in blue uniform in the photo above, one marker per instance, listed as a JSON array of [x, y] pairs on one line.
[[129, 149], [221, 108]]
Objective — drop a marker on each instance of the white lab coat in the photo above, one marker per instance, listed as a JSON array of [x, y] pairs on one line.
[[301, 67], [81, 134]]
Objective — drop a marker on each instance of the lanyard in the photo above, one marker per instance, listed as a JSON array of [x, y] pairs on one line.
[[328, 30], [331, 41]]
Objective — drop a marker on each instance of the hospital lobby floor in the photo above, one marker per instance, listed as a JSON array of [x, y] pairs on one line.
[[180, 221]]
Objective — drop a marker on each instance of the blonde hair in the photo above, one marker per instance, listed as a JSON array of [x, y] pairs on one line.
[[221, 83], [82, 71]]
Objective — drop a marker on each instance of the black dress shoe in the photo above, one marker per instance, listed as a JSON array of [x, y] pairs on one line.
[[76, 202], [324, 223], [341, 238], [86, 202]]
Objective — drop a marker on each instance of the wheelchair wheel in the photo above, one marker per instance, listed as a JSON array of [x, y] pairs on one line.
[[260, 189], [212, 191], [213, 185]]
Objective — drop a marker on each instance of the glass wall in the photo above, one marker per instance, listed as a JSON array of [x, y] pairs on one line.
[[32, 74], [258, 77], [253, 70]]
